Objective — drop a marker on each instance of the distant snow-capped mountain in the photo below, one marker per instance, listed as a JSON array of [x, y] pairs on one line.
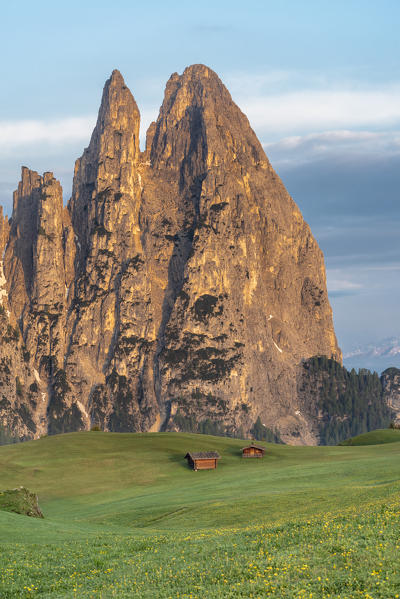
[[375, 356]]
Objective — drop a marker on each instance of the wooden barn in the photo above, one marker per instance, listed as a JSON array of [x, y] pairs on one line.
[[203, 460], [253, 451]]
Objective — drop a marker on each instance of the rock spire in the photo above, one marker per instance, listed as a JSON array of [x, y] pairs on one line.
[[180, 289]]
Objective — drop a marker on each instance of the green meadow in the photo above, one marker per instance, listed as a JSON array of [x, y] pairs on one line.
[[125, 517]]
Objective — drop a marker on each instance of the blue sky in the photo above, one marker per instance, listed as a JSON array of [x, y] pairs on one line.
[[319, 81]]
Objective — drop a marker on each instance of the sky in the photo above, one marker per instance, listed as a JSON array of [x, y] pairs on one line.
[[318, 80]]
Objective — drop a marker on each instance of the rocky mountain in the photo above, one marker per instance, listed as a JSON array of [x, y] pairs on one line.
[[391, 388], [375, 356], [180, 284]]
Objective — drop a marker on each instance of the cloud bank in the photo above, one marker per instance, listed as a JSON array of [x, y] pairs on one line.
[[272, 113], [345, 144], [315, 110], [14, 134]]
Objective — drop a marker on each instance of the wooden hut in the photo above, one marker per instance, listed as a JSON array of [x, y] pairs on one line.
[[203, 460], [253, 451]]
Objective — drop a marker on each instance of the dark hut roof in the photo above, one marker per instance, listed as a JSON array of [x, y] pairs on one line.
[[255, 446], [203, 455]]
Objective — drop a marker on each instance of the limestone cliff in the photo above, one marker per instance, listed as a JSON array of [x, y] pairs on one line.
[[249, 291], [181, 283], [390, 379], [36, 283]]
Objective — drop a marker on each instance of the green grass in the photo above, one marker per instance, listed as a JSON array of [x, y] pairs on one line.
[[125, 517], [377, 437]]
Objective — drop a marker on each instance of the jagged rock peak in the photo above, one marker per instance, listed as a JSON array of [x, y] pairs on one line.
[[117, 77], [107, 166], [30, 182], [197, 74], [35, 236], [118, 107], [115, 138], [199, 116]]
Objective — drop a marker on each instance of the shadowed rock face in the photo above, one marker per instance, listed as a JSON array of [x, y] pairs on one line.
[[181, 283], [390, 379]]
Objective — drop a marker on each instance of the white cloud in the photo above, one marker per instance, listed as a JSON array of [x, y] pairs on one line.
[[329, 137], [383, 268], [340, 285], [16, 135], [301, 149], [315, 109], [352, 279], [261, 83], [27, 132], [274, 112]]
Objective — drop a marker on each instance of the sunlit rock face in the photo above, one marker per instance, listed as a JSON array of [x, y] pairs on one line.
[[180, 286]]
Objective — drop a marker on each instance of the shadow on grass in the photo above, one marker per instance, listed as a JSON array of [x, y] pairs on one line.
[[179, 460]]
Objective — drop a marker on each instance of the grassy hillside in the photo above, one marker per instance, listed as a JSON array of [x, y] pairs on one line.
[[377, 437], [125, 517]]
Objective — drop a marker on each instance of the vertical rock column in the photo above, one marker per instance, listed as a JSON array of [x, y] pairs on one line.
[[34, 268], [110, 325], [35, 275]]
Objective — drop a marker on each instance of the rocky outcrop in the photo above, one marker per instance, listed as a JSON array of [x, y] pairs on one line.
[[390, 379], [180, 283], [20, 501], [109, 362]]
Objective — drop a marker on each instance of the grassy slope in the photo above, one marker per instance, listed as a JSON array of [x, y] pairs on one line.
[[138, 481], [378, 437], [128, 503]]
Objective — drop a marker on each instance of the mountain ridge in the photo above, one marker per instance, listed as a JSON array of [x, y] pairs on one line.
[[377, 355], [180, 280]]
